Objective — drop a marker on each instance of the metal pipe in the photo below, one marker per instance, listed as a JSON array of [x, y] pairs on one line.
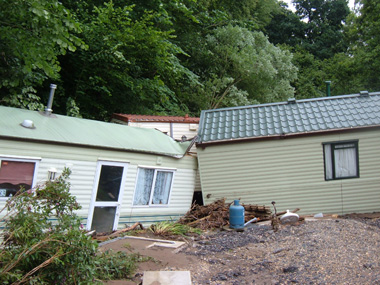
[[171, 130], [328, 91], [48, 109]]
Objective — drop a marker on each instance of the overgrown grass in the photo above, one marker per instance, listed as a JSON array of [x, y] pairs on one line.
[[167, 228]]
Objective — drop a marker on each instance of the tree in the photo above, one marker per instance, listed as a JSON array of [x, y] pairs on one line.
[[316, 26], [33, 34], [286, 27], [131, 65], [365, 43], [324, 25], [316, 35], [240, 67]]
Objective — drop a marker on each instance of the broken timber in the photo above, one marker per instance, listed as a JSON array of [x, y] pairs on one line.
[[216, 214]]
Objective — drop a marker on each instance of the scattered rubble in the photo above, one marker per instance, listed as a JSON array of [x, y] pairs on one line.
[[216, 214]]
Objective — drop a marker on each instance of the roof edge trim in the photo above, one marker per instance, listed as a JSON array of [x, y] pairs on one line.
[[92, 146]]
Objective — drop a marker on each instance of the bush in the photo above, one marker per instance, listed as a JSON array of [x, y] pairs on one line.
[[43, 239], [112, 265]]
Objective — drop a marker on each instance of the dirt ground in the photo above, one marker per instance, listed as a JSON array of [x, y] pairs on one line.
[[331, 250]]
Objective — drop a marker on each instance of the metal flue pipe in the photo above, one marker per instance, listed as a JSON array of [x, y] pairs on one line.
[[328, 91], [48, 109]]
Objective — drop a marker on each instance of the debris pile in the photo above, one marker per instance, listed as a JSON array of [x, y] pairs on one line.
[[115, 234], [216, 214]]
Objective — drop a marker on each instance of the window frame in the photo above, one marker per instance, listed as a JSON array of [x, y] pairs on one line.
[[156, 169], [332, 158], [36, 162]]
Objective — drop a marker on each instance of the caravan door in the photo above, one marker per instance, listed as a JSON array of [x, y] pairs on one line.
[[107, 196]]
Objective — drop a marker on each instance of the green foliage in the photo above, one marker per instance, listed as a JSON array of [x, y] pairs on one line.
[[172, 57], [44, 240], [112, 265], [242, 67], [37, 248], [311, 77], [33, 34], [364, 33], [130, 66], [324, 26], [167, 228], [316, 26]]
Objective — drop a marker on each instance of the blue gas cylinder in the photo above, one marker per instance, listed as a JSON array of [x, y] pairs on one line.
[[236, 215]]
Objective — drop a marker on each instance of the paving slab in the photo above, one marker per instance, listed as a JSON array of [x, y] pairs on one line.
[[166, 278]]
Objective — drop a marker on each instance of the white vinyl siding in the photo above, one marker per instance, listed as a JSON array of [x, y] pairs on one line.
[[83, 161], [178, 129], [290, 172]]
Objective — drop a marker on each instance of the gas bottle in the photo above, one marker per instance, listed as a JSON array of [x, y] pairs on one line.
[[236, 215]]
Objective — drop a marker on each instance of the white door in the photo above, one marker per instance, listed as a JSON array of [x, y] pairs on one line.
[[107, 195]]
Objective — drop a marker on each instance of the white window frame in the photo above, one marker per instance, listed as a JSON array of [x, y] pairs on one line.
[[36, 162], [156, 169], [330, 166]]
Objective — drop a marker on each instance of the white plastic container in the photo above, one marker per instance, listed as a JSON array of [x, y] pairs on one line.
[[289, 217]]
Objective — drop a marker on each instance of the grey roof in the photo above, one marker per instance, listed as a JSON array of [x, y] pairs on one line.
[[88, 133], [291, 117]]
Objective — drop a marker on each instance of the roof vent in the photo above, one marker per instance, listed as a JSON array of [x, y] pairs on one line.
[[364, 94], [291, 100], [48, 109], [28, 124]]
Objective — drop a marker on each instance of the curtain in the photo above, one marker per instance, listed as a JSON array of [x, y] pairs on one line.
[[144, 186], [162, 187], [345, 162], [328, 161]]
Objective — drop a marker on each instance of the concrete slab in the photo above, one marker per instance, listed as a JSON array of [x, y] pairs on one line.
[[166, 278], [173, 244]]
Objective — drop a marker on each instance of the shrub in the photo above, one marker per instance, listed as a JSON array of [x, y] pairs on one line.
[[43, 239], [112, 265]]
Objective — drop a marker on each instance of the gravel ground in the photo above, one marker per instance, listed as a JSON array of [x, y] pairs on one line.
[[327, 251]]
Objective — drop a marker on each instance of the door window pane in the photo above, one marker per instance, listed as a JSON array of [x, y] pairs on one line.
[[109, 183], [14, 175], [103, 219]]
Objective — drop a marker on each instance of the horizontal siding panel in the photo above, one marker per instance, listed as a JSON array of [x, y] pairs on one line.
[[59, 152], [83, 163], [291, 172]]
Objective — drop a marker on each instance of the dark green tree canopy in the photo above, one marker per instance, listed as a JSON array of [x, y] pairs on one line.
[[173, 57], [33, 34]]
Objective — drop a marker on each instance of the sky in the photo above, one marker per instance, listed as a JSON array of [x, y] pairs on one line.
[[290, 5]]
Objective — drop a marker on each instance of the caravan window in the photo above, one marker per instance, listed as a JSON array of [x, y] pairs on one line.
[[15, 175], [341, 160], [153, 187]]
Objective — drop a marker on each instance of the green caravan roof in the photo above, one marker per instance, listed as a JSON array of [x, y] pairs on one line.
[[290, 118], [76, 131]]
